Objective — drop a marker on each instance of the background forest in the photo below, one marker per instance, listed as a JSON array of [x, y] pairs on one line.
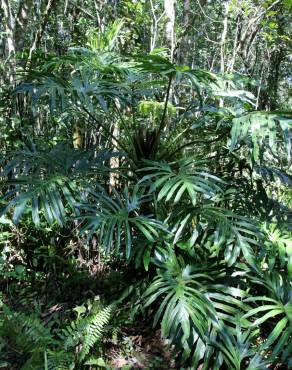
[[145, 184]]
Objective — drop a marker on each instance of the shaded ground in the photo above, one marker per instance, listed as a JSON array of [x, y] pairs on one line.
[[145, 350]]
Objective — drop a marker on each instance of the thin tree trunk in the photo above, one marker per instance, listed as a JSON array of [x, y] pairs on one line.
[[114, 161], [223, 37], [9, 25], [154, 26], [234, 52], [41, 29], [183, 47], [24, 9], [223, 44], [169, 28], [8, 22]]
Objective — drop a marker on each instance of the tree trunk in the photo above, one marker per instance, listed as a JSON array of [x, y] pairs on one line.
[[223, 43], [183, 47], [154, 26], [24, 9], [114, 161], [41, 29], [9, 25], [169, 28], [223, 37]]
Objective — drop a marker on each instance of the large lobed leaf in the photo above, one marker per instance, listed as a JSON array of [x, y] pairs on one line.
[[260, 130]]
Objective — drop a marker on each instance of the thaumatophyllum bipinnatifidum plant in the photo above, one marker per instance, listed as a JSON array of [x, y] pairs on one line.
[[174, 187]]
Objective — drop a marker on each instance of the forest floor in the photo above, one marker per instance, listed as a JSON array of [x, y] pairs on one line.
[[146, 350], [137, 345]]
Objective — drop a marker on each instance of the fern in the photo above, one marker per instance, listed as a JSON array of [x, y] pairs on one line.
[[59, 360], [86, 332], [39, 347], [94, 330], [28, 332], [28, 337]]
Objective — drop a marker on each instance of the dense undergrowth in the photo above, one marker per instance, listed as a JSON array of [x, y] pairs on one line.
[[158, 214]]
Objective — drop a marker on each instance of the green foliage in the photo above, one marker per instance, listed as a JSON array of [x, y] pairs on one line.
[[260, 130], [235, 233], [198, 301], [278, 304], [41, 347], [183, 303], [278, 248], [177, 236], [86, 332], [191, 178], [116, 219], [237, 349], [50, 181], [107, 40], [155, 109]]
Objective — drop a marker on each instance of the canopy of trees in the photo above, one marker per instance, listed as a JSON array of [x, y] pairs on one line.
[[145, 184]]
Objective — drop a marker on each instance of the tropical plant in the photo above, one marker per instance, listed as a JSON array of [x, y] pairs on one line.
[[168, 173], [237, 349], [276, 304]]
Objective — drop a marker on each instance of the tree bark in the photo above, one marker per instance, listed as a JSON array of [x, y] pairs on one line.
[[183, 47], [223, 43], [24, 10], [8, 22], [9, 25], [169, 9], [154, 26], [114, 161], [41, 29]]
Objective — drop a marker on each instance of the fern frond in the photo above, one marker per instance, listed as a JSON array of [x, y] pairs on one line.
[[94, 330], [86, 331], [28, 332], [59, 360]]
